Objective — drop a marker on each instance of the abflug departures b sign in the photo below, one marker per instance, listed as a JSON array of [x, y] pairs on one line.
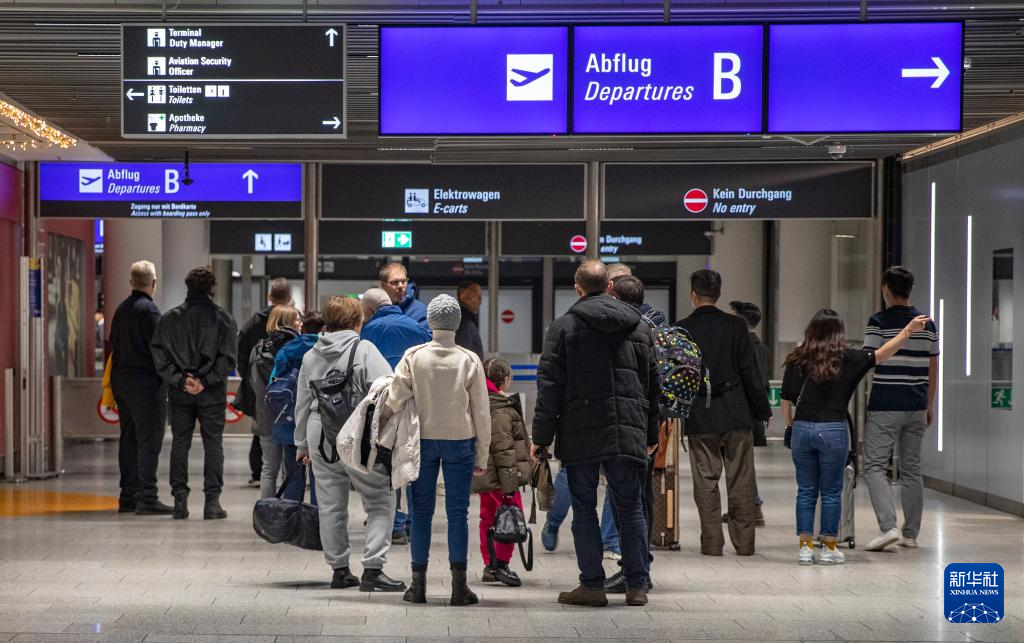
[[233, 81], [460, 192], [665, 79], [160, 191], [741, 191]]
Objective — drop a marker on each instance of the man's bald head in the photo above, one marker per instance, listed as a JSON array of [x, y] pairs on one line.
[[592, 277]]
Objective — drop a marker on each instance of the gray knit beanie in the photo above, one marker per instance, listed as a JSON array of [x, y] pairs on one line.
[[443, 313]]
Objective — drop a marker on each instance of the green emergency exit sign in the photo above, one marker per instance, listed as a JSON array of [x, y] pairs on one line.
[[396, 239], [775, 396], [1001, 397]]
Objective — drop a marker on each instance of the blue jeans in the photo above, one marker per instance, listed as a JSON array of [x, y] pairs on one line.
[[296, 489], [454, 458], [625, 484], [820, 451], [560, 509]]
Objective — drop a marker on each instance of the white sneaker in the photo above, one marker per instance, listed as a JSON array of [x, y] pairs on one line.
[[909, 543], [610, 555], [831, 556], [806, 555], [883, 540]]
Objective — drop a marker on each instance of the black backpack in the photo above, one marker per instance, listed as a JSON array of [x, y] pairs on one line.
[[510, 527], [336, 400]]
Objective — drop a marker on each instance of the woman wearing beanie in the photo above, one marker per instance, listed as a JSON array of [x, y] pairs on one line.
[[447, 382]]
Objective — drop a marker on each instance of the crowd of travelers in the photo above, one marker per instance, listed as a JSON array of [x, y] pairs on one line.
[[414, 403]]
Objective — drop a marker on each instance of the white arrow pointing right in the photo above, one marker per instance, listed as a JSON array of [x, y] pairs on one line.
[[940, 72], [333, 123]]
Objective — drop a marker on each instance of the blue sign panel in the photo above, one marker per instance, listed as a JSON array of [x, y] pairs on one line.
[[163, 190], [473, 80], [865, 77], [667, 79], [975, 593]]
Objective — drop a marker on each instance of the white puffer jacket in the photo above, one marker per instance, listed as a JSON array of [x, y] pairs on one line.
[[400, 433]]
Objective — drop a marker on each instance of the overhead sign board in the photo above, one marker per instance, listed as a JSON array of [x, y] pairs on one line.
[[162, 190], [617, 238], [667, 79], [461, 192], [473, 80], [865, 77], [233, 81], [257, 237], [738, 191], [370, 238]]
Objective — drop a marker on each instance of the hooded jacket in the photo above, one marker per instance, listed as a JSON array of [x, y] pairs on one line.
[[509, 466], [393, 333], [400, 434], [262, 424], [597, 384], [412, 306], [288, 359], [252, 331], [196, 338], [468, 334], [331, 352]]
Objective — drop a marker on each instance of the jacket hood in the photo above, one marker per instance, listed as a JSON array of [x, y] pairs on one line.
[[412, 293], [282, 336], [331, 346], [606, 314], [387, 311], [501, 401], [653, 315]]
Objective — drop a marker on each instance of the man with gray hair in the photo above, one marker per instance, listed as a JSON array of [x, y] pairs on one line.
[[139, 392]]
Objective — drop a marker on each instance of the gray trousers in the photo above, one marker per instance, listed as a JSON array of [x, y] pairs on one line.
[[332, 489], [272, 454], [710, 454], [881, 433]]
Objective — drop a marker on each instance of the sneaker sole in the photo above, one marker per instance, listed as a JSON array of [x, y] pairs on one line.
[[885, 543], [805, 563], [830, 563]]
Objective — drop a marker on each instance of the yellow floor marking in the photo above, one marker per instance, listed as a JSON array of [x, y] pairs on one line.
[[29, 502]]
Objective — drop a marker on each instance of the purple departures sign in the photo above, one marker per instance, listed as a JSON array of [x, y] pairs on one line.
[[667, 79], [898, 77], [161, 190], [474, 80]]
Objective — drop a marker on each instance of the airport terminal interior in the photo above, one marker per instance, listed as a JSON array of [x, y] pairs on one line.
[[181, 178]]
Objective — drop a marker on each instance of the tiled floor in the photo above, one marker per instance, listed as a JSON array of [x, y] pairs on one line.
[[100, 576]]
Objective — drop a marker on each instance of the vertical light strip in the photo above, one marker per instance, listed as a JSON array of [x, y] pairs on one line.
[[967, 304], [931, 267], [942, 379]]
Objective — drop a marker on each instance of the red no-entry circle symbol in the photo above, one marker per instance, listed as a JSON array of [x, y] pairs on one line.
[[578, 243], [695, 200], [508, 316]]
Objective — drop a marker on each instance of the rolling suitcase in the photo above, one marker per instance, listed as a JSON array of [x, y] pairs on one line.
[[665, 483], [846, 517]]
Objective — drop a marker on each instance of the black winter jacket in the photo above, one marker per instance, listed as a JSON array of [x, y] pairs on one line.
[[738, 396], [131, 332], [196, 338], [252, 332], [468, 333], [763, 362], [597, 384]]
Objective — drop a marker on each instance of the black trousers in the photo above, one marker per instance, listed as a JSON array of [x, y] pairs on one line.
[[210, 415], [142, 407], [255, 457]]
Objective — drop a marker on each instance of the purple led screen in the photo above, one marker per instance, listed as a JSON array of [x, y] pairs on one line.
[[865, 77], [473, 80], [667, 79]]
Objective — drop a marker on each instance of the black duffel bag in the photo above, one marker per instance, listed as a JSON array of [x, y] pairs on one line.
[[510, 527], [277, 520]]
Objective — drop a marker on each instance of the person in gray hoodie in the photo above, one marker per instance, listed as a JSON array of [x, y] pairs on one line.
[[343, 317]]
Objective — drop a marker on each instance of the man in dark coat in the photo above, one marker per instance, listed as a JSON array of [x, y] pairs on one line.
[[194, 352], [139, 392], [251, 333], [597, 394], [720, 435], [470, 297]]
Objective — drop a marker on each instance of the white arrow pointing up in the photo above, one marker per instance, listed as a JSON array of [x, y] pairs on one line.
[[250, 176], [940, 72], [132, 94], [333, 123], [331, 34]]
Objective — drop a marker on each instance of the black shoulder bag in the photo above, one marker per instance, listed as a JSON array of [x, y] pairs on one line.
[[787, 438], [335, 403]]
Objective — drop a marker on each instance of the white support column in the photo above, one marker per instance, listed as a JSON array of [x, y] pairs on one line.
[[186, 245], [125, 242]]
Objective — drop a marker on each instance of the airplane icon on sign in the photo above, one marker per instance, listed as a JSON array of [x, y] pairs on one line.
[[528, 76]]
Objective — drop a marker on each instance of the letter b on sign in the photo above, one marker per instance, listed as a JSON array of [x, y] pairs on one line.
[[171, 183], [727, 71]]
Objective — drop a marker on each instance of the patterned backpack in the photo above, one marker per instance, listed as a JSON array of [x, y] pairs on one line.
[[681, 371]]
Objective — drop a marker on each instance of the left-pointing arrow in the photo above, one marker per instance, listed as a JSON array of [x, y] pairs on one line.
[[132, 94], [940, 72], [333, 123]]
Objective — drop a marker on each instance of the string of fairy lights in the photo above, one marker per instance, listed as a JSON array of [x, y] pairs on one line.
[[37, 132]]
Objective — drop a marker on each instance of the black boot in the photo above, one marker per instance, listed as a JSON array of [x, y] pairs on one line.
[[343, 578], [152, 508], [498, 572], [213, 510], [375, 580], [461, 594], [180, 507], [417, 592]]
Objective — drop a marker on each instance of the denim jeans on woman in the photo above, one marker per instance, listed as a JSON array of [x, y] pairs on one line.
[[820, 451], [454, 459]]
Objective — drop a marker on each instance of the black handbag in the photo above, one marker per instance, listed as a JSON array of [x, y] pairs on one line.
[[510, 527], [787, 437], [277, 520]]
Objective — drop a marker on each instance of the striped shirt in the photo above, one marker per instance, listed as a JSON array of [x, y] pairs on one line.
[[901, 383]]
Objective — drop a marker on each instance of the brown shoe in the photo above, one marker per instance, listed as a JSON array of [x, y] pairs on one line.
[[759, 517], [585, 597], [636, 597]]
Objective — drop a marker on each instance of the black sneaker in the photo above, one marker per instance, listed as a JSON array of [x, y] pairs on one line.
[[343, 578], [506, 576], [153, 508], [180, 508], [616, 584], [399, 538], [375, 580]]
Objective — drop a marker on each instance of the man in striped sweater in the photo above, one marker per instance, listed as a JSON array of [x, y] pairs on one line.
[[899, 410]]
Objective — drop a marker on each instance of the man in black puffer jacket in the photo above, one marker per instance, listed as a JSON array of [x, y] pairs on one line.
[[597, 393]]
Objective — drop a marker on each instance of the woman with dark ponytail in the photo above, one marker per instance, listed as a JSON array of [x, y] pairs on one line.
[[821, 376]]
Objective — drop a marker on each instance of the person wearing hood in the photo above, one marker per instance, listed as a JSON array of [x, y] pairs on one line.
[[448, 385], [470, 297], [343, 318], [393, 333], [394, 280], [597, 401]]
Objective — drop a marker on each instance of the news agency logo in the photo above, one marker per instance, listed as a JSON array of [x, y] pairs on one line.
[[90, 181], [417, 201], [974, 593], [528, 77]]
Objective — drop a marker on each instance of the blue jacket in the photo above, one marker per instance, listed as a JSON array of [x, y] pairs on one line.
[[393, 332], [412, 307], [289, 357]]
